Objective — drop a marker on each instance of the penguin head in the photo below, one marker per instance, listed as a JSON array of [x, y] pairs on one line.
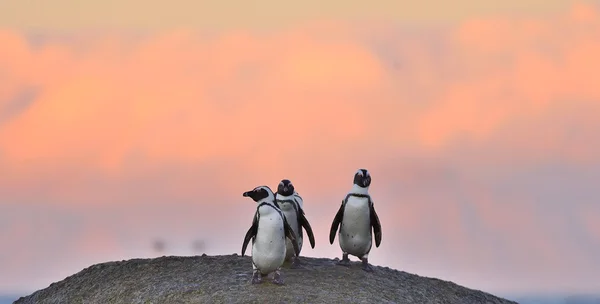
[[362, 178], [285, 187], [260, 193]]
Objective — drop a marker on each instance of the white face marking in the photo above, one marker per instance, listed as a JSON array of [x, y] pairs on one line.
[[290, 185], [368, 175], [281, 183], [359, 172]]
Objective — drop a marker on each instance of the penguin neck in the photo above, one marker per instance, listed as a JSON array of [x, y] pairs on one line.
[[268, 200], [359, 190], [271, 204], [284, 197]]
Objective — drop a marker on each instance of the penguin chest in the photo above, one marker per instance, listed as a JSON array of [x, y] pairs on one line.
[[268, 250], [355, 230], [292, 219]]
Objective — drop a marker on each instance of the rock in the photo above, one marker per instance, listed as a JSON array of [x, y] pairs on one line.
[[226, 279]]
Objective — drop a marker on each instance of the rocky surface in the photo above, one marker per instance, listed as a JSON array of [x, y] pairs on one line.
[[226, 279]]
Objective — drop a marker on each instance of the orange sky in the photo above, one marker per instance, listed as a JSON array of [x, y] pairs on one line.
[[258, 14], [481, 136]]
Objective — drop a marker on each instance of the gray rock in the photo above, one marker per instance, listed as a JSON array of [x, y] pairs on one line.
[[226, 279]]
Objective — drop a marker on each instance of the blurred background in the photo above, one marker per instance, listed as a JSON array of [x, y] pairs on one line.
[[131, 130]]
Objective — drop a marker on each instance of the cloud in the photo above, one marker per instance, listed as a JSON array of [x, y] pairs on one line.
[[129, 138], [14, 106]]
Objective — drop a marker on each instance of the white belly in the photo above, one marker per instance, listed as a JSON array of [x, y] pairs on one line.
[[355, 232], [268, 250], [292, 219]]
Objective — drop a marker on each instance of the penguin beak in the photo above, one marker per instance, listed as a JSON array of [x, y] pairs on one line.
[[246, 194], [285, 189]]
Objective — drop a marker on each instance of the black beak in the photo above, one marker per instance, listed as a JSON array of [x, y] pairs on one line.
[[246, 194], [285, 189]]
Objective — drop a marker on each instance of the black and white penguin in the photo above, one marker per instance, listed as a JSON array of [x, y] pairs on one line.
[[290, 202], [357, 217], [268, 233]]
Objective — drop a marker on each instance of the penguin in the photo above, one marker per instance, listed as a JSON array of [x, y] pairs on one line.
[[356, 217], [290, 202], [298, 199], [268, 233]]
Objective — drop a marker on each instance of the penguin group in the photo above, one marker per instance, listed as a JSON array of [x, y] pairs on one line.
[[279, 220]]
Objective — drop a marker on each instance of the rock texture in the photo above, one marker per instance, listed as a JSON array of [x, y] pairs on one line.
[[226, 279]]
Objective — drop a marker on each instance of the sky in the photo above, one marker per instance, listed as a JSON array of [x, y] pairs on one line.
[[123, 124]]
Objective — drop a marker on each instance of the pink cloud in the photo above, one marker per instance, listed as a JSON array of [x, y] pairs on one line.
[[191, 121]]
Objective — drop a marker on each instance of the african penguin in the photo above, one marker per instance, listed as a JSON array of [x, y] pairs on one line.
[[357, 217], [290, 202], [268, 233]]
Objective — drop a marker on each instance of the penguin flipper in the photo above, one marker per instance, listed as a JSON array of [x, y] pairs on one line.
[[251, 233], [304, 223], [374, 219], [336, 222], [289, 233], [298, 199]]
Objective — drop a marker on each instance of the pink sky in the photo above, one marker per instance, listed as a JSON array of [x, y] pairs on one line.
[[482, 138]]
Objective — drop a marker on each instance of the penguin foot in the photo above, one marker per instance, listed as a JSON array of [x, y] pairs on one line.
[[296, 263], [344, 261], [365, 265], [256, 277], [277, 278]]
